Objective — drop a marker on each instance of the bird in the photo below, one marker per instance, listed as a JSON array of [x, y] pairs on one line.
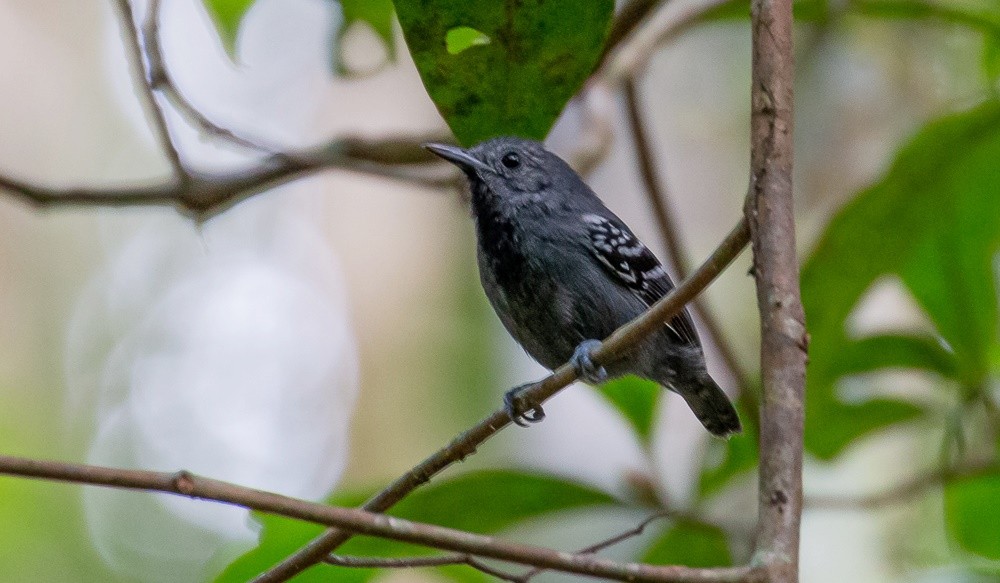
[[562, 271]]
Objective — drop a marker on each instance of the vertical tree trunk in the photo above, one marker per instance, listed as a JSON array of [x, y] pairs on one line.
[[783, 335]]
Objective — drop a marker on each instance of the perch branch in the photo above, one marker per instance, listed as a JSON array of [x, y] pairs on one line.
[[466, 443], [669, 231]]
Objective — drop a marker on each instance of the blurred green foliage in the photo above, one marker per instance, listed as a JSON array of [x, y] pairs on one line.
[[227, 16], [932, 221], [973, 515], [689, 543], [482, 502], [636, 399]]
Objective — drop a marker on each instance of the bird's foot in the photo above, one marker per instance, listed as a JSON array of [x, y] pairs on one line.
[[588, 371], [521, 409]]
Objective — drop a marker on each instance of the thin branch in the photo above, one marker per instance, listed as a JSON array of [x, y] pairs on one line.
[[631, 44], [769, 211], [632, 54], [902, 492], [610, 542], [417, 562], [143, 81], [630, 17], [412, 562], [466, 443], [669, 231], [196, 487], [162, 81], [204, 195], [461, 559], [394, 562]]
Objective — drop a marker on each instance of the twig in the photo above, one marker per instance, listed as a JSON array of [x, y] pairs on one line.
[[144, 80], [634, 51], [657, 195], [462, 559], [630, 17], [415, 562], [466, 443], [204, 195], [631, 44], [901, 492], [196, 487], [162, 81], [600, 546], [394, 562], [769, 210]]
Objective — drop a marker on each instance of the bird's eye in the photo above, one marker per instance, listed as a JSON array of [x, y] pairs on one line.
[[511, 160]]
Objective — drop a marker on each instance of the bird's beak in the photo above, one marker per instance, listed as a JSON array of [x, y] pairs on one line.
[[458, 157]]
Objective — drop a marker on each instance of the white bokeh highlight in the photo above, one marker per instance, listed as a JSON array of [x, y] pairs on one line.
[[230, 354], [225, 349]]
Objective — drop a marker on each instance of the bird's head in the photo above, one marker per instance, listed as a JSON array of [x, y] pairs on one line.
[[511, 169]]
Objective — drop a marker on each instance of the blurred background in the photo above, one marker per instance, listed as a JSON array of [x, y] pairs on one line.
[[328, 334]]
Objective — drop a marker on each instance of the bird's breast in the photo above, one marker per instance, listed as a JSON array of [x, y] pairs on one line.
[[500, 249]]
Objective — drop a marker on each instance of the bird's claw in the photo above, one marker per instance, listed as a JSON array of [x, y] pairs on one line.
[[521, 410], [588, 371]]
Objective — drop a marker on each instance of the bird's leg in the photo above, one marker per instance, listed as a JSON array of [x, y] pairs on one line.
[[521, 410], [588, 371]]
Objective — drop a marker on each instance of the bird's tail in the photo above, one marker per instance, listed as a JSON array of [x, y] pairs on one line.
[[712, 407]]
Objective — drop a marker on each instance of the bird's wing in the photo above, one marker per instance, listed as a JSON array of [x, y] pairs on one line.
[[635, 267]]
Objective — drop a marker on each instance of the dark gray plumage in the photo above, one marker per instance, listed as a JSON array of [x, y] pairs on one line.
[[561, 269]]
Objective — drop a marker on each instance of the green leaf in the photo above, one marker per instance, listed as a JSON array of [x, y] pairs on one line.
[[227, 16], [281, 537], [895, 351], [636, 399], [482, 502], [539, 54], [973, 515], [987, 21], [991, 59], [691, 544], [931, 220], [378, 14]]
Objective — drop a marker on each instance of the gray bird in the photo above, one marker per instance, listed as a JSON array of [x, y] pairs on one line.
[[562, 270]]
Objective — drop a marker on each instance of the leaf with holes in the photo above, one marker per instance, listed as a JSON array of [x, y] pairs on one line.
[[519, 63]]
